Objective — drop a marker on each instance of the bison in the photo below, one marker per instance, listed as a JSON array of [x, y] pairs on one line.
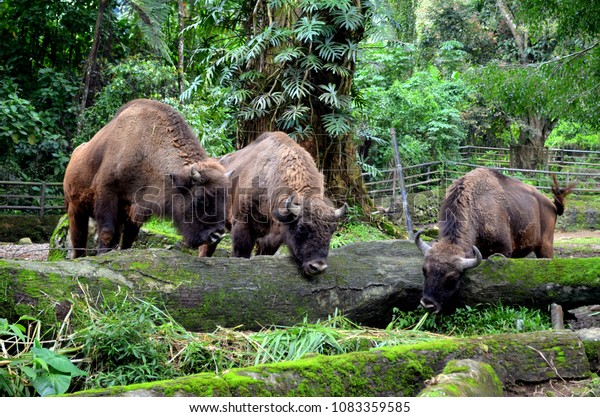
[[485, 213], [146, 161], [277, 196]]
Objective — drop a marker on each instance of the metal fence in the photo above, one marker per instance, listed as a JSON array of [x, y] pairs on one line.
[[569, 166], [581, 167], [425, 184], [40, 197]]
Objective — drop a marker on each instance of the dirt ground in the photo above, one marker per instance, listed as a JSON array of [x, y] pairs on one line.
[[39, 251]]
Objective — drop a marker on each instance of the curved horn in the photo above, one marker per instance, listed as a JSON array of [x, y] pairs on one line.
[[292, 208], [423, 247], [195, 175], [341, 212], [467, 263]]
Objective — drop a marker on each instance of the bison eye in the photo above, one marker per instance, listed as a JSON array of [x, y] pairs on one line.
[[302, 230], [451, 284]]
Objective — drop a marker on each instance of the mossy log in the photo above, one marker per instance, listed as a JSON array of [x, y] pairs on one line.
[[364, 281], [464, 378], [397, 371]]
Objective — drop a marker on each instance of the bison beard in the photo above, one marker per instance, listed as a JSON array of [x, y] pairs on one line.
[[146, 161], [485, 213]]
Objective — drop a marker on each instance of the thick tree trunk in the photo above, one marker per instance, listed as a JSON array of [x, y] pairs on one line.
[[397, 371], [364, 281], [530, 152]]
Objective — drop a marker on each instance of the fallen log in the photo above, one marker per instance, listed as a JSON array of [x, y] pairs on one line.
[[364, 281], [464, 378], [397, 371]]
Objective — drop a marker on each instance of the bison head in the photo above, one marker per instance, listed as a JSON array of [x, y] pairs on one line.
[[442, 268], [199, 202], [308, 228]]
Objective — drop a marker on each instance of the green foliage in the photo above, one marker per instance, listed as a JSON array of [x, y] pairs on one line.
[[354, 231], [574, 135], [292, 73], [28, 368], [292, 343], [127, 341], [472, 321], [572, 18], [425, 110], [211, 120], [34, 131]]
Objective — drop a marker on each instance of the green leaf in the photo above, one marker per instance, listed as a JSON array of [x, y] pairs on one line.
[[29, 372], [63, 364], [349, 18], [309, 28], [51, 384]]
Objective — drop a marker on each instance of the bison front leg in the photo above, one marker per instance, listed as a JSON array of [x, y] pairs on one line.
[[106, 213], [130, 233], [78, 230], [207, 250], [269, 244], [242, 239]]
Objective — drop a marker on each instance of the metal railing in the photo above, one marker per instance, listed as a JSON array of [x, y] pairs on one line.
[[40, 197]]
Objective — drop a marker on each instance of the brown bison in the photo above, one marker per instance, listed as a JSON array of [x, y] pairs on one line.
[[145, 161], [485, 213], [277, 196]]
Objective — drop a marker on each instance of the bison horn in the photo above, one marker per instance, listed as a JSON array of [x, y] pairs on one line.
[[341, 212], [195, 175], [423, 247], [467, 263], [292, 208]]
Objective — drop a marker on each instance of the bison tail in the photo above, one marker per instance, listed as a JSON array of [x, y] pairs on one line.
[[560, 194]]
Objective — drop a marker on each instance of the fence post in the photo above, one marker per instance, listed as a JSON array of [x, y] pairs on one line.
[[409, 227], [42, 199]]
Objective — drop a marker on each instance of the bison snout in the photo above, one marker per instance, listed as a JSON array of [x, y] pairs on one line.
[[430, 305], [315, 267]]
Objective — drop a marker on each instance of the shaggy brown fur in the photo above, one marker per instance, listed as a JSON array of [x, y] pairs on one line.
[[266, 173], [145, 161], [496, 214]]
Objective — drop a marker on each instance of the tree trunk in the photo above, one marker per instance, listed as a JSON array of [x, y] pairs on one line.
[[364, 281], [180, 46], [530, 152], [335, 156], [397, 371], [89, 69]]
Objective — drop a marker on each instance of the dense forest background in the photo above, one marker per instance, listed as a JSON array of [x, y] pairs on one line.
[[335, 74]]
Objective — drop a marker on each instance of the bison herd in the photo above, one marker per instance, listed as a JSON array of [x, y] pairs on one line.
[[148, 162]]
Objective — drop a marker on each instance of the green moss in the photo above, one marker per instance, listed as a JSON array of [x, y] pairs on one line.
[[592, 351], [563, 271]]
